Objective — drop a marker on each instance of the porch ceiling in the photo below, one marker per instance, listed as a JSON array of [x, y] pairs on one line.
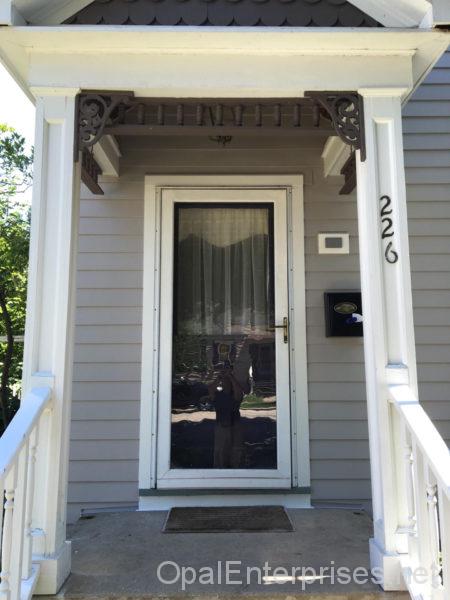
[[125, 115], [100, 116]]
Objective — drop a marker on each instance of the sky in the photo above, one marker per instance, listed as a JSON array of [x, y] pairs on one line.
[[16, 110]]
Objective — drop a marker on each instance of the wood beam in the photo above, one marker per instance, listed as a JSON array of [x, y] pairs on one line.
[[349, 172], [90, 172], [155, 130]]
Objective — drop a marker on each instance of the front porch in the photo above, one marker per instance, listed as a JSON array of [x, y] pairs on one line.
[[125, 230], [118, 554]]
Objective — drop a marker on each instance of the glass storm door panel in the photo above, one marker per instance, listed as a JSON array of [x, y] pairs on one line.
[[224, 397]]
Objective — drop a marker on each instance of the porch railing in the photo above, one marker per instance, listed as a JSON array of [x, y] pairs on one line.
[[17, 471], [424, 483]]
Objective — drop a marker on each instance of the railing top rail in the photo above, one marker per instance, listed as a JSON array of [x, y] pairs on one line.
[[425, 434], [17, 432]]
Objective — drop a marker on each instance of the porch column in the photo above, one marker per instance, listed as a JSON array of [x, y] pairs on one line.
[[389, 345], [49, 328]]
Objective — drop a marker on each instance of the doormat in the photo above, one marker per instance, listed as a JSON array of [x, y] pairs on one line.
[[228, 519]]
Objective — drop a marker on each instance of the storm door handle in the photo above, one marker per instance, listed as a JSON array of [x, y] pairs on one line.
[[284, 327]]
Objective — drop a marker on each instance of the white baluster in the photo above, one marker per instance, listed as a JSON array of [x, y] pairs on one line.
[[28, 540], [432, 501], [18, 524], [411, 501], [402, 491], [409, 461], [2, 501], [423, 524], [444, 525], [10, 487]]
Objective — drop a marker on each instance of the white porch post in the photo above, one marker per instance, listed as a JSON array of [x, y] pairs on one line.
[[48, 335], [388, 316]]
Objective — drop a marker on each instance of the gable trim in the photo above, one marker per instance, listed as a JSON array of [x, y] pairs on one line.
[[398, 13], [55, 16]]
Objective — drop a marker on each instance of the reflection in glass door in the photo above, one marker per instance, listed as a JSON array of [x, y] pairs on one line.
[[224, 388], [223, 384]]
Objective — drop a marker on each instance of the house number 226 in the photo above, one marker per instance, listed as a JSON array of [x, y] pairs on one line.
[[387, 229]]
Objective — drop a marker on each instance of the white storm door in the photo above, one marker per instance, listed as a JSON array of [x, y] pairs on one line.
[[224, 393]]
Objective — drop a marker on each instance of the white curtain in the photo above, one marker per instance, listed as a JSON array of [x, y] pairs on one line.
[[223, 269]]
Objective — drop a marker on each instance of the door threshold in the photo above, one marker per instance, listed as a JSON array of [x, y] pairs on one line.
[[152, 499], [221, 491]]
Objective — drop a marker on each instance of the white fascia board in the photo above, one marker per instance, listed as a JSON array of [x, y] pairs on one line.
[[334, 156], [158, 61], [133, 39], [9, 15], [396, 13], [15, 61]]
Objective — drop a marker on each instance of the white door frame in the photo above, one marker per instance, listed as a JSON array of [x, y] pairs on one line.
[[167, 477], [293, 184]]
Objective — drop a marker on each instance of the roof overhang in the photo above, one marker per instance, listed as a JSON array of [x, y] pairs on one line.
[[391, 13], [202, 61]]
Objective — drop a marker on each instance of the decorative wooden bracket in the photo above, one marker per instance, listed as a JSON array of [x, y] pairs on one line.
[[349, 172], [95, 110], [346, 111], [90, 171]]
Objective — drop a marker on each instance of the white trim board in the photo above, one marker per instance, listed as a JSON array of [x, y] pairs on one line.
[[168, 502], [229, 62], [151, 317]]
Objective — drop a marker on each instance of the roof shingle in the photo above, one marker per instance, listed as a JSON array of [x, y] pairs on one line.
[[270, 13]]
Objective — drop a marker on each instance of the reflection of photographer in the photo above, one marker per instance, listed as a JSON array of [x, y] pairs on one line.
[[227, 393]]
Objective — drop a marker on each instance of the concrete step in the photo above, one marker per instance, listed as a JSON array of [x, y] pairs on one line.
[[126, 556]]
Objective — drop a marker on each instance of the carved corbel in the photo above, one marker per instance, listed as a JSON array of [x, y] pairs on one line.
[[90, 172], [94, 111], [349, 172], [346, 111]]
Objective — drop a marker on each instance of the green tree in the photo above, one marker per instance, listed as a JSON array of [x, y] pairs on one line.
[[15, 177]]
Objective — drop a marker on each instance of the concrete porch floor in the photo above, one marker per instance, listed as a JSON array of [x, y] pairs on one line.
[[116, 555]]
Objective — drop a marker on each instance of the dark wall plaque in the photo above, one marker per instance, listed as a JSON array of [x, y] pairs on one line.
[[340, 310]]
